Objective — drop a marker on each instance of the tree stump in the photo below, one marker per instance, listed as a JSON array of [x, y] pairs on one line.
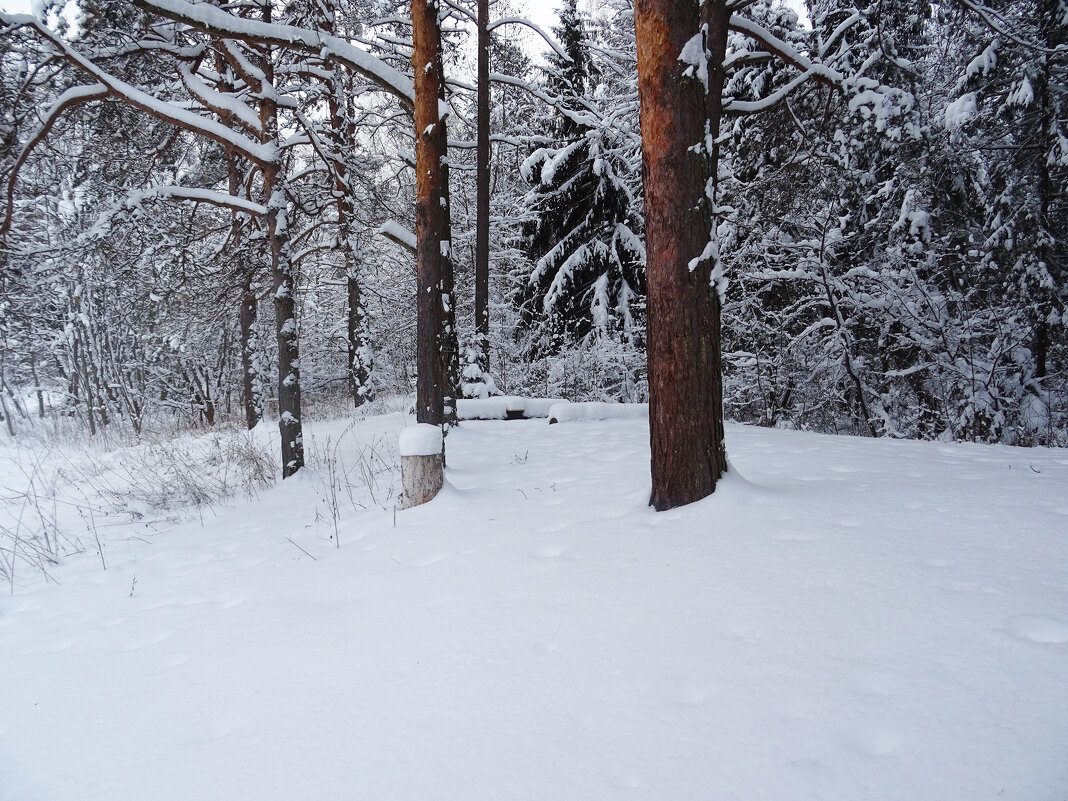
[[422, 464]]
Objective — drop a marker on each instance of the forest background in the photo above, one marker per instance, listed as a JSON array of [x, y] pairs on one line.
[[891, 244]]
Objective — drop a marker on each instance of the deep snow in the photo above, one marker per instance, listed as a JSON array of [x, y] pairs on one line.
[[845, 619]]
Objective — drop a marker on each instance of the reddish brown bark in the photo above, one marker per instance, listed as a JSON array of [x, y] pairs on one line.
[[431, 216], [685, 386]]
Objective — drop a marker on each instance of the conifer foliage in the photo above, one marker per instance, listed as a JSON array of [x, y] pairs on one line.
[[584, 240]]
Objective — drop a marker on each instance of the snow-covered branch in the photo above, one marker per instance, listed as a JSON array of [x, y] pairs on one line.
[[261, 154], [72, 97], [209, 196], [217, 22], [786, 52], [399, 235], [536, 28]]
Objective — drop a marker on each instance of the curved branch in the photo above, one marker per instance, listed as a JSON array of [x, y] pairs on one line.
[[215, 21], [536, 28], [261, 154], [784, 51], [72, 97], [399, 235], [210, 196]]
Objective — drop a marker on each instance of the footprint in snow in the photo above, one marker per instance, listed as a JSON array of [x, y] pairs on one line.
[[548, 551], [1036, 628], [430, 559], [874, 740]]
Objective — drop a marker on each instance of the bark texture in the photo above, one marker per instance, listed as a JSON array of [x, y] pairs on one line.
[[431, 217], [482, 228], [250, 381], [421, 478], [685, 385], [284, 285]]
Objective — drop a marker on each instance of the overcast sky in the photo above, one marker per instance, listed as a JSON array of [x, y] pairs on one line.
[[542, 12]]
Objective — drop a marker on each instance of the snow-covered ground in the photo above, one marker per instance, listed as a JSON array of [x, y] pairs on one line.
[[845, 619]]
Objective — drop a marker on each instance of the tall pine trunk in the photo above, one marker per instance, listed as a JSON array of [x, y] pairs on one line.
[[683, 339], [435, 335]]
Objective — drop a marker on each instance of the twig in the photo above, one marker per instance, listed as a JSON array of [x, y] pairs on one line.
[[298, 547]]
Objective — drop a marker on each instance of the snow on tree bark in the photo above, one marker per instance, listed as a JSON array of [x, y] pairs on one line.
[[433, 258], [685, 387], [482, 225]]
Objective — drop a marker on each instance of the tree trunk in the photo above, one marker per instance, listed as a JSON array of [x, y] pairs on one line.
[[360, 355], [685, 384], [482, 225], [285, 301], [430, 216], [247, 314], [361, 358]]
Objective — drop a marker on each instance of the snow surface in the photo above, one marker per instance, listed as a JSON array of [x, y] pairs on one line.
[[592, 410], [421, 439], [498, 407], [845, 620]]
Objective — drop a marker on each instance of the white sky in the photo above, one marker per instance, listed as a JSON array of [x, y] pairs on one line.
[[543, 12]]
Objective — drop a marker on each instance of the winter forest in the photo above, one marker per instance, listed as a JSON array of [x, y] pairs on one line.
[[208, 213], [572, 400]]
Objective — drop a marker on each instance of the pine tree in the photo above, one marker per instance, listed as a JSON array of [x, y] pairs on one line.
[[585, 241]]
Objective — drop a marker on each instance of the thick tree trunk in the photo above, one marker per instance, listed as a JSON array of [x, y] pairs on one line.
[[482, 226], [685, 384], [431, 216], [285, 312]]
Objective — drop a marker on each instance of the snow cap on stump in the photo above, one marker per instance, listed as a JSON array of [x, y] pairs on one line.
[[422, 439]]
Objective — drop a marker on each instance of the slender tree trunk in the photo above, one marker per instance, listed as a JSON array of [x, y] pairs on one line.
[[6, 414], [247, 314], [284, 285], [361, 357], [482, 226], [358, 330], [1048, 11], [448, 341], [37, 386], [685, 385], [430, 215]]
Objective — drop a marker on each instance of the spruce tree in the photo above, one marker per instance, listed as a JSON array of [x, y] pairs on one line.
[[585, 242]]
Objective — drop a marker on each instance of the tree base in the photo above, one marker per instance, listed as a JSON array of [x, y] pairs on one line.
[[422, 478]]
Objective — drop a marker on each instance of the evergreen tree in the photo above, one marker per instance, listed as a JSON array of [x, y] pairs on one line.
[[585, 239]]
